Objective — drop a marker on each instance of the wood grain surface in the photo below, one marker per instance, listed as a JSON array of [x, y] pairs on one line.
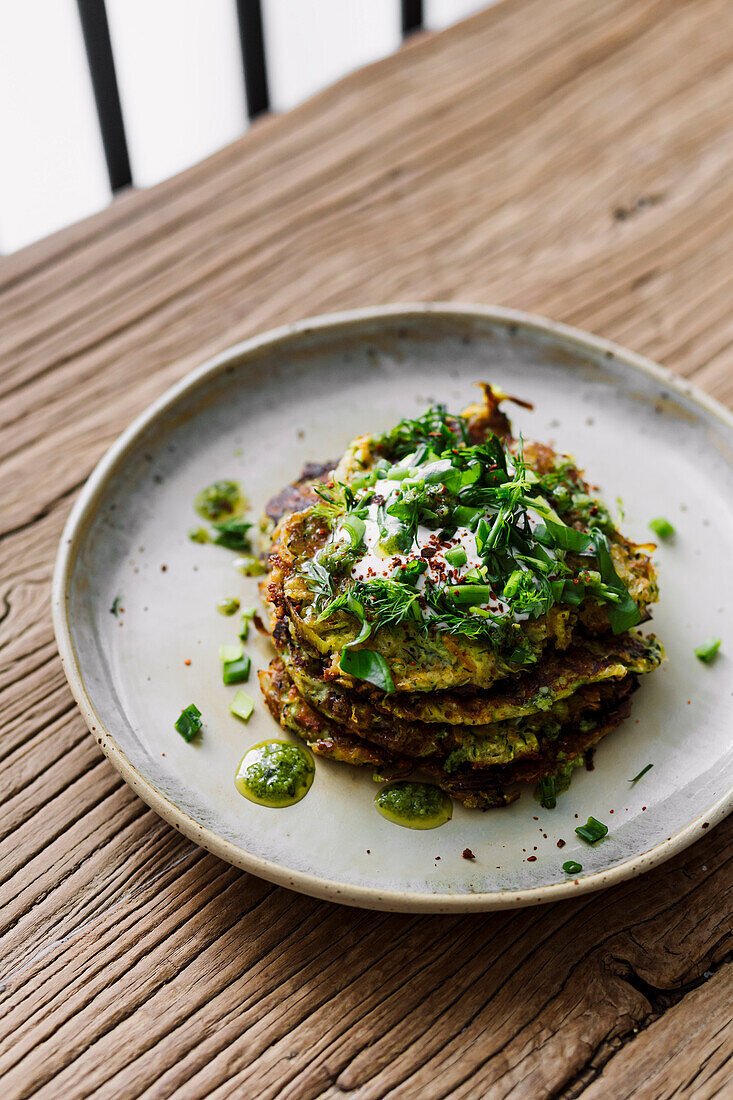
[[574, 158]]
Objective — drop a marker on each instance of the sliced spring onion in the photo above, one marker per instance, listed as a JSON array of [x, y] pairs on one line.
[[237, 671], [547, 793], [469, 593], [593, 830], [242, 705], [188, 723], [571, 867], [642, 772], [662, 528], [708, 649], [456, 557], [248, 613], [230, 653]]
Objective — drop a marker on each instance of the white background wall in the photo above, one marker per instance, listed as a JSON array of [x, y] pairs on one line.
[[180, 79]]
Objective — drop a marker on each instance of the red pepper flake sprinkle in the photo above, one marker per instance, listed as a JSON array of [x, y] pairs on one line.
[[187, 661], [531, 859], [561, 843], [468, 854]]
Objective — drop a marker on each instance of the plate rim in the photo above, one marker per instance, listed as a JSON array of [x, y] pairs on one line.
[[84, 511]]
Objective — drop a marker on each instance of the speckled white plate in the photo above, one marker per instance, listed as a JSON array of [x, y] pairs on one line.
[[257, 413]]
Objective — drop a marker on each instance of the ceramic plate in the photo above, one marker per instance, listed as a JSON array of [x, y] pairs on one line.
[[257, 413]]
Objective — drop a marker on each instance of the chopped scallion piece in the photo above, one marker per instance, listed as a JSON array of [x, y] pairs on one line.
[[188, 723], [662, 528], [248, 613], [708, 649], [456, 557], [593, 830], [642, 772], [469, 593], [570, 867], [115, 608], [547, 792], [237, 671], [230, 653], [242, 706]]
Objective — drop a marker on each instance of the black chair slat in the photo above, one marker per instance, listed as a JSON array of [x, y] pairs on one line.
[[412, 16], [252, 41], [95, 29]]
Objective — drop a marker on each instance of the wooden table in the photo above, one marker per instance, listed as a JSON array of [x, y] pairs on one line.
[[574, 158]]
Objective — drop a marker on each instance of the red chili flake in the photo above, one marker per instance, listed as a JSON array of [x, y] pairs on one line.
[[369, 851], [561, 843], [163, 568], [643, 807], [468, 854], [187, 661], [535, 819], [531, 859], [705, 824]]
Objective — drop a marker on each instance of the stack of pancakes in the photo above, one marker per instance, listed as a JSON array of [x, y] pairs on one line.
[[469, 718]]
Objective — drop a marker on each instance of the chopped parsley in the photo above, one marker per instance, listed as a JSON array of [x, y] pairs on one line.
[[642, 772], [115, 608]]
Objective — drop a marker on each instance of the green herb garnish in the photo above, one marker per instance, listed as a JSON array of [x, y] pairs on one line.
[[115, 608], [242, 706], [708, 649], [438, 480], [593, 830], [571, 867], [642, 772], [188, 723], [365, 664], [232, 533], [236, 671], [662, 528]]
